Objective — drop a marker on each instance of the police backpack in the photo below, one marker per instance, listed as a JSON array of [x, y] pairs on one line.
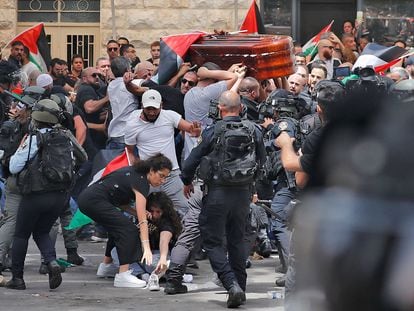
[[53, 167], [233, 159]]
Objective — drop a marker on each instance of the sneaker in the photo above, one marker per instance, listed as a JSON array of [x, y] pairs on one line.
[[145, 277], [153, 284], [2, 280], [107, 270], [187, 278], [126, 279], [98, 237]]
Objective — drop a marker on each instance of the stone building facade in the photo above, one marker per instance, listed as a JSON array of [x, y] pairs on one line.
[[142, 21]]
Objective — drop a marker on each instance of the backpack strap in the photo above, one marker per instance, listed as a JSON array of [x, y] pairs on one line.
[[219, 129]]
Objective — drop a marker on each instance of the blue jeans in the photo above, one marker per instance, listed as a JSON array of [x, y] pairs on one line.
[[137, 267]]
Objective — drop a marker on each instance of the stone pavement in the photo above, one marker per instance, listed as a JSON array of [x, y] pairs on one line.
[[81, 290]]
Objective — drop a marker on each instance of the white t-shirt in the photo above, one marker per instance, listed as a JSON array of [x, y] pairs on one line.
[[151, 138]]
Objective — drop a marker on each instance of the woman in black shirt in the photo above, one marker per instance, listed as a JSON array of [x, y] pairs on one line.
[[103, 202]]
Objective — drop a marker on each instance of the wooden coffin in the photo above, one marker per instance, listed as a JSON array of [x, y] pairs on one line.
[[266, 56]]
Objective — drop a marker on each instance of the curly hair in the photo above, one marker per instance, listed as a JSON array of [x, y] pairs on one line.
[[166, 205], [156, 162]]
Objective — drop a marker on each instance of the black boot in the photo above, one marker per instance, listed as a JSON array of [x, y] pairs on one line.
[[73, 257], [174, 287], [44, 270], [174, 276], [280, 282], [236, 297], [55, 279], [16, 283]]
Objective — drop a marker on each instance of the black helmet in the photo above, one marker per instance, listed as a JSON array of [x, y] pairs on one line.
[[9, 73], [286, 104], [404, 90], [46, 111], [31, 95]]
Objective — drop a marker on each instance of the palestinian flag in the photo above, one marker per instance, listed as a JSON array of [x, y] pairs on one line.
[[310, 47], [35, 39], [253, 22], [173, 50], [379, 57], [79, 219]]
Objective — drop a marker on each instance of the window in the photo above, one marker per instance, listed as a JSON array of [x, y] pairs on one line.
[[277, 16], [56, 11], [390, 20], [277, 13]]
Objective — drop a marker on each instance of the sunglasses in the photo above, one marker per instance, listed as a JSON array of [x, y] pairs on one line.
[[112, 49], [190, 83], [95, 75]]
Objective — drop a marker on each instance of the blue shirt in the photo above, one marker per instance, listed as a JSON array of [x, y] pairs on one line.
[[19, 158]]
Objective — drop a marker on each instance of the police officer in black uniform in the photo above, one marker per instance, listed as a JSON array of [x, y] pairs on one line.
[[225, 206]]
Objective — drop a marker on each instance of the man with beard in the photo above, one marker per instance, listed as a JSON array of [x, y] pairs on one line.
[[58, 71], [325, 53], [249, 91], [93, 106], [151, 130], [16, 51]]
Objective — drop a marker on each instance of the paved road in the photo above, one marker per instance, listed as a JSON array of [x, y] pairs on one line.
[[82, 291]]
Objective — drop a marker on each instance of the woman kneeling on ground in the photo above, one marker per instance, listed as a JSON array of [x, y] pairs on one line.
[[164, 227], [103, 202]]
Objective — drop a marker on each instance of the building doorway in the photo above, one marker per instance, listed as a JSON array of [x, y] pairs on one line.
[[72, 27]]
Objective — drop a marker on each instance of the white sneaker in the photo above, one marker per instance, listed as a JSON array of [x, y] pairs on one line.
[[145, 277], [126, 279], [153, 284], [106, 270], [187, 278]]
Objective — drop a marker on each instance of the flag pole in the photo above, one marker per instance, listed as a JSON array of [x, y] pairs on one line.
[[236, 14], [113, 19]]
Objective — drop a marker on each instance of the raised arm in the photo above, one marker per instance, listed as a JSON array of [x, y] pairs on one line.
[[222, 75]]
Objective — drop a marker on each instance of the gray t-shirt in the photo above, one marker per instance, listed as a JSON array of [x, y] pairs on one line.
[[196, 106]]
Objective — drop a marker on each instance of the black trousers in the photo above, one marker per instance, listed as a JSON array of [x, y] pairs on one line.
[[223, 216], [37, 214], [122, 233]]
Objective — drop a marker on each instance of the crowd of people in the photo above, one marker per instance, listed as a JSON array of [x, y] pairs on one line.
[[205, 151]]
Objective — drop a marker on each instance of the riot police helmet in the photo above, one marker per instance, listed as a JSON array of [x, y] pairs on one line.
[[46, 111], [404, 90], [285, 103]]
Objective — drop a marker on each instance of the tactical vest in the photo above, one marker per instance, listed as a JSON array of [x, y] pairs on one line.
[[233, 159]]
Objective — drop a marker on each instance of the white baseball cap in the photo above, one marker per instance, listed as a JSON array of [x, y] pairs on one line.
[[151, 98]]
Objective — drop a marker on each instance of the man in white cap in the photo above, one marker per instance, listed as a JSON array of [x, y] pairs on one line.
[[45, 81], [151, 130]]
